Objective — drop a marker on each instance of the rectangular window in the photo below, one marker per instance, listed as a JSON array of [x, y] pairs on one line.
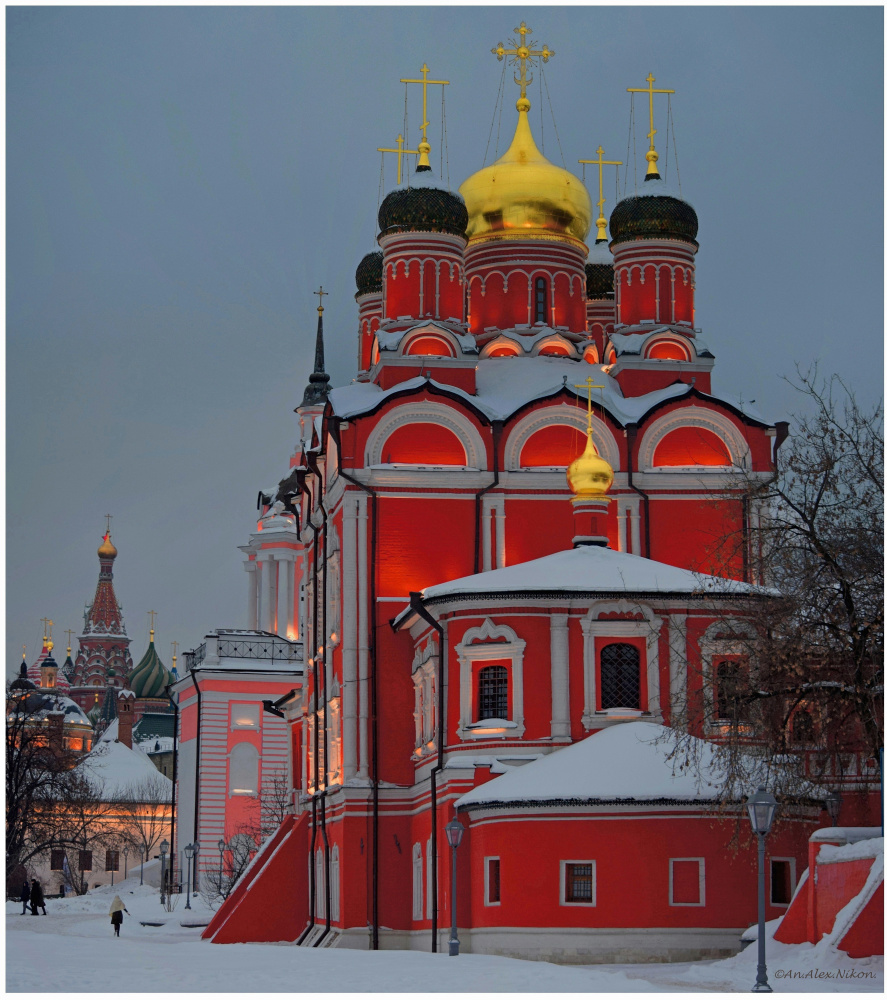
[[686, 882], [85, 861], [112, 861], [492, 693], [730, 698], [245, 716], [492, 892], [578, 883], [57, 860], [782, 881]]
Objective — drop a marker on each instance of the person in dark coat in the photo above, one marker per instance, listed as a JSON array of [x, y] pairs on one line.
[[117, 911], [26, 896], [37, 900]]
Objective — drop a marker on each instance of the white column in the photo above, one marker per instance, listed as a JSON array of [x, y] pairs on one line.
[[500, 534], [363, 639], [677, 666], [487, 541], [269, 593], [620, 528], [560, 677], [273, 564], [290, 570], [588, 669], [252, 594], [636, 531], [350, 599], [261, 591]]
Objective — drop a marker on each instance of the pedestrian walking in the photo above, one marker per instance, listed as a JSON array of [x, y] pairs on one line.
[[26, 896], [37, 901], [117, 911]]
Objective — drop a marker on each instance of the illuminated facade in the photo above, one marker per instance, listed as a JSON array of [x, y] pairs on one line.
[[468, 612]]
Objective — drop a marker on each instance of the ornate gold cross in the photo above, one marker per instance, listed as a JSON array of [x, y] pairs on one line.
[[589, 385], [524, 55], [47, 628], [401, 153], [652, 155], [109, 516], [426, 83], [320, 294], [601, 163]]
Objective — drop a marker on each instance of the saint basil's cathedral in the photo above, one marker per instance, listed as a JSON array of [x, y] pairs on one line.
[[502, 561]]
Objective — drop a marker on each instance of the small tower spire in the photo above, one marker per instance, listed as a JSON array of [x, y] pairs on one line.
[[318, 381]]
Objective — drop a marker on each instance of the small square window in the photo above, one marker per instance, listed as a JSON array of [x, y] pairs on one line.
[[57, 860], [686, 882], [492, 891], [112, 861], [245, 716], [578, 883], [782, 881], [85, 861]]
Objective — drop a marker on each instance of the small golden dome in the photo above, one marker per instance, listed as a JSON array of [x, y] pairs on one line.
[[522, 194], [107, 549], [589, 475]]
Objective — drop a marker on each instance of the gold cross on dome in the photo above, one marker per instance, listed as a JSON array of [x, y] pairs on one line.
[[401, 153], [47, 628], [600, 162], [69, 632], [175, 648], [320, 294], [152, 614], [589, 385], [109, 516], [524, 55], [24, 650], [652, 155], [426, 83]]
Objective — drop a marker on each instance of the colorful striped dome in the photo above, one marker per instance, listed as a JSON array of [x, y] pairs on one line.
[[150, 677]]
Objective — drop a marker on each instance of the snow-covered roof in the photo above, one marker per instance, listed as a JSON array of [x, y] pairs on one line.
[[591, 569], [389, 340], [655, 188], [116, 771], [629, 762], [600, 253], [633, 343]]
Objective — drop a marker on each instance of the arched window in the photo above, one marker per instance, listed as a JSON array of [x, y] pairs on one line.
[[430, 345], [243, 770], [540, 310], [668, 350], [802, 727], [620, 676], [730, 703], [320, 891], [418, 882], [691, 446], [334, 883], [492, 693]]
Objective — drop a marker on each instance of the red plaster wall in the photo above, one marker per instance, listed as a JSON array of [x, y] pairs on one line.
[[700, 535]]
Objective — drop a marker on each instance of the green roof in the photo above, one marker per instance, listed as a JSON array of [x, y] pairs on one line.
[[154, 725], [150, 677]]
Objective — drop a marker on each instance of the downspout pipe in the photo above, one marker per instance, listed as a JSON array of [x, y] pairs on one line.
[[420, 609], [632, 430], [334, 426], [497, 436], [175, 770], [194, 673]]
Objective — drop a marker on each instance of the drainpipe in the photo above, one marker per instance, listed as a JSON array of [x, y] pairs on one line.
[[632, 430], [175, 770], [417, 606], [334, 423], [781, 434], [497, 434], [197, 757]]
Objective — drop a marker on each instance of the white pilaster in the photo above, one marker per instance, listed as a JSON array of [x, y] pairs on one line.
[[350, 598], [636, 532], [252, 594], [290, 568], [620, 529], [363, 639], [560, 677]]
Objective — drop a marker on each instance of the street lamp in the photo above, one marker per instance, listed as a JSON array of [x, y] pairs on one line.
[[114, 863], [761, 810], [454, 831], [196, 846], [833, 806], [221, 846], [142, 853], [125, 861], [189, 853], [164, 847]]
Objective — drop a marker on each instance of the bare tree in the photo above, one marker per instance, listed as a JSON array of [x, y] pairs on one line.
[[145, 813]]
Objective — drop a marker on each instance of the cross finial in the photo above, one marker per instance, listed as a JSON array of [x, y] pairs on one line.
[[320, 294], [426, 83], [600, 162], [652, 155], [69, 632], [109, 516], [24, 650], [400, 151], [152, 614], [47, 628], [175, 648], [523, 55], [589, 385]]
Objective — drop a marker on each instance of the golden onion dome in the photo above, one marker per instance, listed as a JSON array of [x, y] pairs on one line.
[[107, 549], [589, 475], [523, 195]]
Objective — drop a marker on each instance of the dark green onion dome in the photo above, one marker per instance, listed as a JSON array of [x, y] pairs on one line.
[[599, 272], [21, 684], [95, 713], [369, 273], [423, 207], [653, 215], [150, 677]]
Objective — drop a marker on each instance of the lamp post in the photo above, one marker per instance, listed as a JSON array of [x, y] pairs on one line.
[[196, 846], [454, 831], [189, 853], [221, 846], [125, 861], [114, 863], [164, 847], [761, 810], [142, 853], [833, 806]]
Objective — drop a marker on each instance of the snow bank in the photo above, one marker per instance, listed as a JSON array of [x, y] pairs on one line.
[[873, 848]]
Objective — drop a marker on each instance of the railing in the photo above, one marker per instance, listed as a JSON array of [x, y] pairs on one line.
[[255, 648], [195, 657]]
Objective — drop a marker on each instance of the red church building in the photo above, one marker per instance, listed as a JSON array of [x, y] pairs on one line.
[[514, 551]]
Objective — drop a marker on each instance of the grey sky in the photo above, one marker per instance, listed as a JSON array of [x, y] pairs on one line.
[[179, 181]]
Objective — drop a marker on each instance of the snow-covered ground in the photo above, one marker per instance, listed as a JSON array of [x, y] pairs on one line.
[[73, 950]]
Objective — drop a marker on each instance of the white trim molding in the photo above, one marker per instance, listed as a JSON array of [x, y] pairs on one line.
[[479, 644], [563, 884], [427, 413], [549, 416], [701, 869], [694, 416]]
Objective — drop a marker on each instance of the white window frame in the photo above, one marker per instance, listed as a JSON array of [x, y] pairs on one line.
[[487, 900], [233, 754], [793, 881], [418, 882], [247, 708], [563, 882], [319, 888], [476, 645], [429, 876], [334, 883], [701, 868]]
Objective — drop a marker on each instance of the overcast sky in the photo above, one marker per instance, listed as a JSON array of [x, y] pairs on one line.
[[180, 180]]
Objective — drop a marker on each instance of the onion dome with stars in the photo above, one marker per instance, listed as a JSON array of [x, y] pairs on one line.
[[654, 214], [424, 206], [150, 677], [368, 276]]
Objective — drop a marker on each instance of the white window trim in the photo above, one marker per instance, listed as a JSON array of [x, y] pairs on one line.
[[487, 900], [250, 727], [711, 420], [427, 413], [475, 645], [334, 883], [245, 792], [429, 874], [671, 899], [563, 880], [712, 649], [793, 882], [418, 882], [551, 416]]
